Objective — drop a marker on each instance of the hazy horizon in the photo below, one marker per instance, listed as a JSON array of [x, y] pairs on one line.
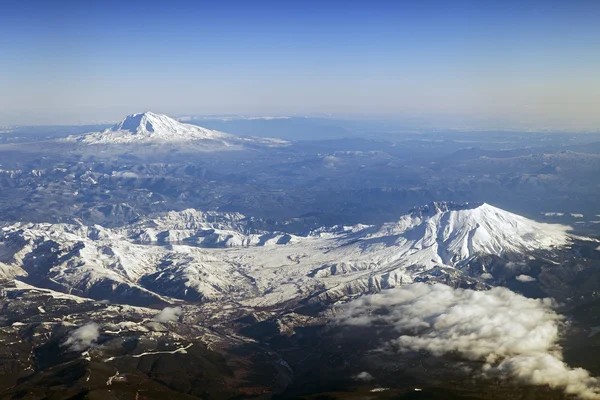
[[458, 65], [398, 123]]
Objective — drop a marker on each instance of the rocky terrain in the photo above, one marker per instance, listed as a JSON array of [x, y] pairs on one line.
[[157, 259]]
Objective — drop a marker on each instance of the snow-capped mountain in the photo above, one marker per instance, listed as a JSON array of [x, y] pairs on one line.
[[454, 233], [441, 241], [99, 263], [149, 127]]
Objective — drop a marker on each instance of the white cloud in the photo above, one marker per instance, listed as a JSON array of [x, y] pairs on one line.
[[364, 376], [83, 337], [169, 314], [515, 336], [525, 278], [549, 369]]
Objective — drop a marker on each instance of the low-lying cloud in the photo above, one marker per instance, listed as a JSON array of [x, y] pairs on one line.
[[525, 278], [364, 377], [169, 314], [516, 337], [83, 337]]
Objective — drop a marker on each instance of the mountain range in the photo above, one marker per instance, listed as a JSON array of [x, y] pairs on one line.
[[159, 259], [210, 256]]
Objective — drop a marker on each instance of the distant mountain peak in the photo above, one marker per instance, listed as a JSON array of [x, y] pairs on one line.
[[152, 127], [149, 127], [142, 121]]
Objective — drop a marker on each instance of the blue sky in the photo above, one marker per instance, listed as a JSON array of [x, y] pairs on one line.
[[464, 63]]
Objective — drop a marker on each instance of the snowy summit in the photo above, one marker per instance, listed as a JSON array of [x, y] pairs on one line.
[[150, 127]]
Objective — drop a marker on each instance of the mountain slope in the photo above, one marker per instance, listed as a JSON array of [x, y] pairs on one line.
[[441, 242], [470, 244], [203, 229], [458, 232], [149, 127], [99, 263]]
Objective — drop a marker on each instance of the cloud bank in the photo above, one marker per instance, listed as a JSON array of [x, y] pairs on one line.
[[516, 337], [169, 314], [82, 338]]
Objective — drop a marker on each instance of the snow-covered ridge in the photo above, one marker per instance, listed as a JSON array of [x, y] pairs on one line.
[[223, 258], [150, 127], [204, 229], [437, 207]]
